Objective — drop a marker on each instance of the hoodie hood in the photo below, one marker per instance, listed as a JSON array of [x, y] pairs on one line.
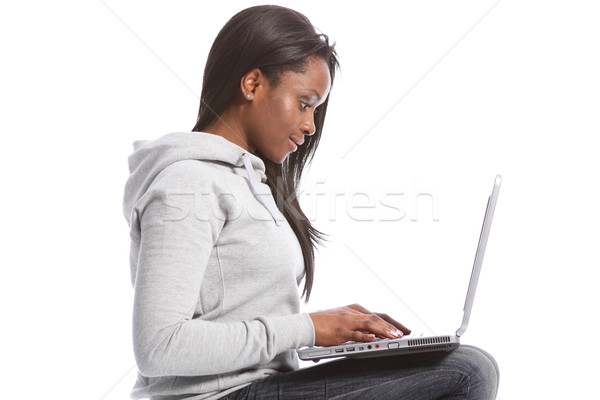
[[150, 157]]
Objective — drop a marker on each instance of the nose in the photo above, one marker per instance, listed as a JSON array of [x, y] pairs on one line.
[[308, 126]]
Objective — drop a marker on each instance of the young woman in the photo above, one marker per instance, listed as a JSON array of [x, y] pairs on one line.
[[219, 243]]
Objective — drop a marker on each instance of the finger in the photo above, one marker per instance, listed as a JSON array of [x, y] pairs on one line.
[[395, 323], [377, 326], [358, 336], [394, 329]]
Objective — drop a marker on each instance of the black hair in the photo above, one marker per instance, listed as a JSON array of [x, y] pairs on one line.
[[273, 39]]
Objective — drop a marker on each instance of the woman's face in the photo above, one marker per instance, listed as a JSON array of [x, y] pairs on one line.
[[277, 118]]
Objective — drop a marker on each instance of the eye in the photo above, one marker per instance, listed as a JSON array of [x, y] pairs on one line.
[[304, 106]]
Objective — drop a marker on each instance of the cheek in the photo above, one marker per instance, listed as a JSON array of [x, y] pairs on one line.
[[290, 117], [283, 113]]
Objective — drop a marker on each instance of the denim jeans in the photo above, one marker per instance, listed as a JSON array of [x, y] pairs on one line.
[[467, 373]]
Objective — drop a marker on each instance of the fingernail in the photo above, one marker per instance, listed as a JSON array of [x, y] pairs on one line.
[[400, 333], [393, 333]]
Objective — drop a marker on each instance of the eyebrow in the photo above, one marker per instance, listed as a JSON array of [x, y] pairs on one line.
[[312, 97], [316, 94]]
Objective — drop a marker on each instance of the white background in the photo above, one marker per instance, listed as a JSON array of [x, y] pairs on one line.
[[432, 101]]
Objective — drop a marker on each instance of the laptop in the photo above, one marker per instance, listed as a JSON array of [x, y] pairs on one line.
[[414, 343]]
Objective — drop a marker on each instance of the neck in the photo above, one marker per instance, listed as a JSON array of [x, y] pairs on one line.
[[226, 125]]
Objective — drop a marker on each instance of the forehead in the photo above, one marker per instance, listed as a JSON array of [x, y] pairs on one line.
[[315, 81]]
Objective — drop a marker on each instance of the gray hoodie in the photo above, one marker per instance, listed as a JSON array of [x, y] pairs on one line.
[[215, 269]]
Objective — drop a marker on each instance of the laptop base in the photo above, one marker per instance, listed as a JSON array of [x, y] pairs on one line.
[[384, 347]]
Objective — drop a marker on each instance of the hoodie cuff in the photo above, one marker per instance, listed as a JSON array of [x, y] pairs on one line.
[[293, 331]]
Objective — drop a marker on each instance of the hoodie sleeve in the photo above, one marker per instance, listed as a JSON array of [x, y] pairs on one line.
[[175, 242]]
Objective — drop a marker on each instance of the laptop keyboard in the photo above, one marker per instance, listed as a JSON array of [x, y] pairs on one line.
[[378, 339]]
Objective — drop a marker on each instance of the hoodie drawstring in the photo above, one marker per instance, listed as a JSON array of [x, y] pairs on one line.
[[258, 196]]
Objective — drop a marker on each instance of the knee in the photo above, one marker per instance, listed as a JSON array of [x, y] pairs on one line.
[[482, 369]]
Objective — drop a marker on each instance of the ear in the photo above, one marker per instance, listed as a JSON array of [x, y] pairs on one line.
[[250, 82]]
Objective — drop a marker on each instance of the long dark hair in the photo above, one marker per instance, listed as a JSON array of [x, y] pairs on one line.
[[274, 39]]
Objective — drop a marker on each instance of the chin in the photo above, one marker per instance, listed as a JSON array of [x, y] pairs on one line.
[[278, 158]]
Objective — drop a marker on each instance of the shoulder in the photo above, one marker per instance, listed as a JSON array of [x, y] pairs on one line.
[[194, 176], [209, 188], [185, 189]]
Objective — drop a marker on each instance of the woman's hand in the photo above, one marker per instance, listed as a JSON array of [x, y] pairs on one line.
[[353, 322]]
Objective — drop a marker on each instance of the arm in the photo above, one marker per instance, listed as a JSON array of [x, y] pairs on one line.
[[174, 250]]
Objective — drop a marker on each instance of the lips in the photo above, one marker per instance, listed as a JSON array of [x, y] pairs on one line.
[[298, 142]]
